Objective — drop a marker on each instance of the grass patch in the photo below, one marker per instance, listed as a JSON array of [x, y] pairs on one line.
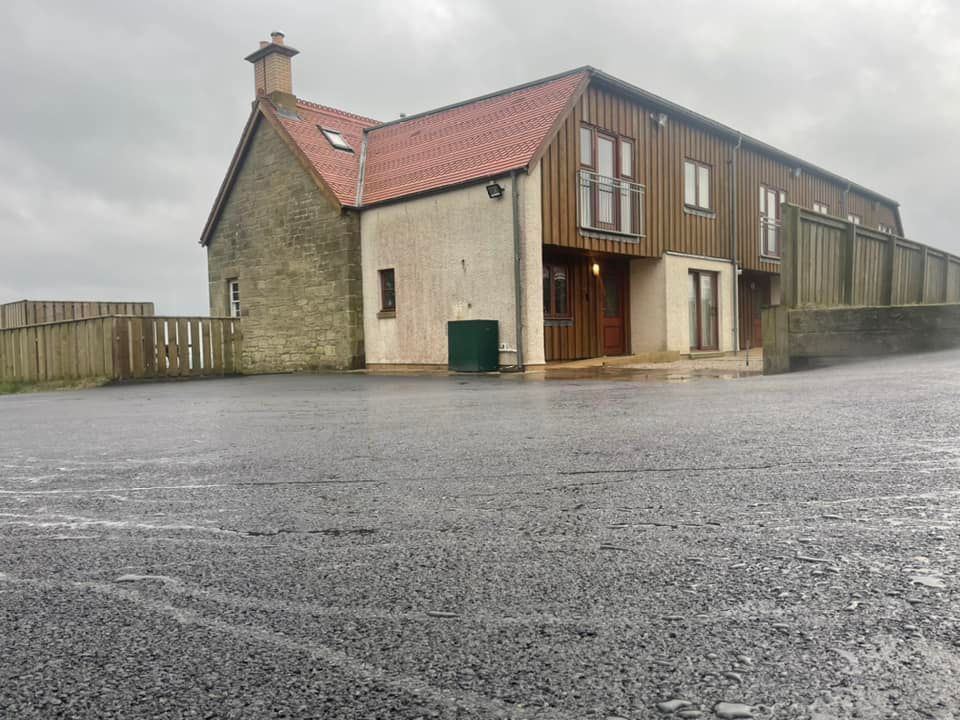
[[13, 388]]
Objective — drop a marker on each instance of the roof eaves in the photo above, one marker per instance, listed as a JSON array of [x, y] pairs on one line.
[[228, 179], [488, 96], [719, 127]]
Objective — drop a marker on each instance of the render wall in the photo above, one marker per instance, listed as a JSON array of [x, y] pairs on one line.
[[452, 254], [297, 258], [659, 303]]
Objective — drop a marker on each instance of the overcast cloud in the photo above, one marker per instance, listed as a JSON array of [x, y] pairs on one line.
[[120, 117]]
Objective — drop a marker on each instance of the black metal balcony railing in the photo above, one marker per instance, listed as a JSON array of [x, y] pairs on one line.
[[771, 233], [610, 205]]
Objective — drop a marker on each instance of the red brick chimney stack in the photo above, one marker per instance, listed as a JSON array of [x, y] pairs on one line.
[[272, 74]]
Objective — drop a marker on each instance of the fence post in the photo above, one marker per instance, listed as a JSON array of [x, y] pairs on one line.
[[923, 274], [848, 254], [790, 262], [889, 290]]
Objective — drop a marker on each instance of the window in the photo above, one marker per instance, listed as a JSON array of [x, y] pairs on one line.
[[336, 139], [821, 208], [702, 294], [608, 200], [586, 147], [771, 219], [556, 291], [855, 219], [233, 297], [696, 185], [626, 158], [887, 229], [388, 291]]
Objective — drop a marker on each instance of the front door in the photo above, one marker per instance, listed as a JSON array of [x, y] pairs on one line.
[[613, 324]]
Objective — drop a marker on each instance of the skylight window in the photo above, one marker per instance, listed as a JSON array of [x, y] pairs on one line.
[[336, 139]]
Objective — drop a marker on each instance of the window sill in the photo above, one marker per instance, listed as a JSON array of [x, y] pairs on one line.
[[558, 322], [770, 258], [386, 314], [611, 235], [699, 212]]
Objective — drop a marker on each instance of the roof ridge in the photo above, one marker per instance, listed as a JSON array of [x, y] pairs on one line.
[[318, 106], [480, 98]]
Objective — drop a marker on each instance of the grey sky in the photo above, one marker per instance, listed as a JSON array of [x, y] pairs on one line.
[[120, 117]]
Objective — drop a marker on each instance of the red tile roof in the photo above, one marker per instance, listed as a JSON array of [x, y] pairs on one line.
[[338, 168], [469, 141]]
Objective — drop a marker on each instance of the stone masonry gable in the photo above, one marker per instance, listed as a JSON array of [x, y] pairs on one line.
[[297, 259]]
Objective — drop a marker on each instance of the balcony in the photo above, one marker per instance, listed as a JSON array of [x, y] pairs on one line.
[[610, 206]]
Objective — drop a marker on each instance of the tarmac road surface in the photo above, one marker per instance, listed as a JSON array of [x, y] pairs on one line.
[[349, 546]]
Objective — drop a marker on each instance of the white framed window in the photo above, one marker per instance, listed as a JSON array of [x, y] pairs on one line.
[[336, 139], [854, 218], [696, 185], [771, 220], [822, 208], [887, 229], [233, 296]]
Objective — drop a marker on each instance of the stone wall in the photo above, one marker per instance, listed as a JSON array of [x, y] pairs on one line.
[[297, 259], [803, 338]]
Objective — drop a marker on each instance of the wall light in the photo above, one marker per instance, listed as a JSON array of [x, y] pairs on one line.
[[495, 190], [596, 269]]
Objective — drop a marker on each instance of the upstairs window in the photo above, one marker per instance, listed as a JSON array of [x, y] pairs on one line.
[[771, 219], [821, 208], [233, 297], [696, 185], [336, 139], [609, 198], [854, 218], [889, 230]]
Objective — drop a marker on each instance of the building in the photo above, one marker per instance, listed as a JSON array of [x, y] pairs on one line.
[[589, 217]]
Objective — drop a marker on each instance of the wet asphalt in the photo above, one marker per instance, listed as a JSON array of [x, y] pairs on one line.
[[352, 546]]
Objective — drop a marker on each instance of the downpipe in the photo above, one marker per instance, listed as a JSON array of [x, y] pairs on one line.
[[517, 278], [733, 242]]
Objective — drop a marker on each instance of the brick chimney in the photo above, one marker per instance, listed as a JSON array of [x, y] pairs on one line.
[[272, 76]]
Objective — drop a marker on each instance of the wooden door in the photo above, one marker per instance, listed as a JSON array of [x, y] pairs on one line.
[[754, 292], [613, 322]]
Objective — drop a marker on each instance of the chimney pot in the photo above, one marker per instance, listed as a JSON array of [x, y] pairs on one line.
[[277, 37], [263, 43]]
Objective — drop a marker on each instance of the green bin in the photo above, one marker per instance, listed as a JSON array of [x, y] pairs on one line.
[[473, 345]]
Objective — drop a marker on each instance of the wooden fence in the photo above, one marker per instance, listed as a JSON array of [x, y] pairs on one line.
[[828, 262], [37, 312], [121, 348]]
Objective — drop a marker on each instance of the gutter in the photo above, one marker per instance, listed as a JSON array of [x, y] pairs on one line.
[[517, 280]]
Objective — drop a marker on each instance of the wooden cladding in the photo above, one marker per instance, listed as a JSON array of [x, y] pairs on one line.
[[582, 333], [121, 348], [659, 152], [35, 312], [829, 263]]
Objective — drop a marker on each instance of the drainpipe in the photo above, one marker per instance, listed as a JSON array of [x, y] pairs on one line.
[[517, 280], [733, 243], [846, 210]]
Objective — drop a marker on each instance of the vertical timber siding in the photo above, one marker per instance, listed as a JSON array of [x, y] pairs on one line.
[[660, 152]]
